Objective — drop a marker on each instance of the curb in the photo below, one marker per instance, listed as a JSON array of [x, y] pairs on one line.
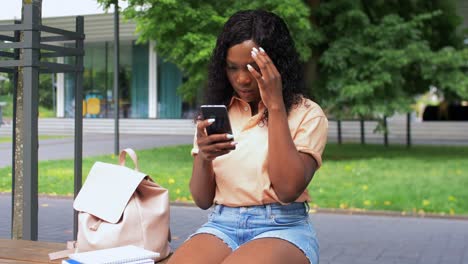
[[387, 213]]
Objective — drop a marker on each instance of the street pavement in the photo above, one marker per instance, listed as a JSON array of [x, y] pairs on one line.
[[344, 238]]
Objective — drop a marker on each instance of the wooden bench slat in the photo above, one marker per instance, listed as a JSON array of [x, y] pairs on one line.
[[25, 251]]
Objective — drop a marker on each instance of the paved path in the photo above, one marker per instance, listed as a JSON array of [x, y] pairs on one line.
[[344, 239]]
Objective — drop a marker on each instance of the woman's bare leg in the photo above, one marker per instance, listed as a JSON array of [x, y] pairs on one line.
[[267, 250], [201, 248]]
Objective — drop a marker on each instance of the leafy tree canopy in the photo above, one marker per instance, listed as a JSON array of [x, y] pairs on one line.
[[373, 56], [377, 55], [185, 31]]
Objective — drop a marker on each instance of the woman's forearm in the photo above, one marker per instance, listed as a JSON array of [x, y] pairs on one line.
[[285, 166], [202, 183]]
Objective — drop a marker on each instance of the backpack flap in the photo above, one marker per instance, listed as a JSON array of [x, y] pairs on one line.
[[107, 190]]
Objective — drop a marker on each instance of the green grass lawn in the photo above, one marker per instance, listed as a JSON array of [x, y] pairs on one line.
[[41, 137], [420, 179], [369, 177], [7, 111], [5, 139]]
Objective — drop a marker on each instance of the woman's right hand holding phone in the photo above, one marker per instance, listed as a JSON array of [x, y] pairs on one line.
[[215, 145], [202, 182]]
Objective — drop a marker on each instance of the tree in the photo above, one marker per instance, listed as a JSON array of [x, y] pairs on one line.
[[370, 58], [186, 31], [377, 55], [20, 135]]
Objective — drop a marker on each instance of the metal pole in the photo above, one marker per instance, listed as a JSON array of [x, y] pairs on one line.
[[116, 78], [363, 139], [408, 130], [13, 144], [385, 131], [52, 75], [340, 139], [32, 18], [78, 119], [106, 82]]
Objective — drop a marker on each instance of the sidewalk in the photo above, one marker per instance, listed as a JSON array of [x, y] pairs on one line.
[[344, 239]]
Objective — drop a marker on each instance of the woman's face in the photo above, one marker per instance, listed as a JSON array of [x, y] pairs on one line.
[[244, 84]]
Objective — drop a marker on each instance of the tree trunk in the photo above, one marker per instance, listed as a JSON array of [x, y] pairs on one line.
[[311, 66], [17, 232], [18, 197]]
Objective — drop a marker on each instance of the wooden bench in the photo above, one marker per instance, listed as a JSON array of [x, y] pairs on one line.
[[25, 251]]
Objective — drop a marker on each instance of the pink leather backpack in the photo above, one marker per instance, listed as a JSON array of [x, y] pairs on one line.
[[120, 206]]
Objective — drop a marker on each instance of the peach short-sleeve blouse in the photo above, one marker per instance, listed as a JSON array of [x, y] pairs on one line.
[[241, 176]]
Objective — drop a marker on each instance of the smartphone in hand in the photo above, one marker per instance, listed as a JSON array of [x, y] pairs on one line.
[[221, 124]]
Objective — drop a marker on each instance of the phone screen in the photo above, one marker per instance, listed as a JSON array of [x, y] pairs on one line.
[[219, 113]]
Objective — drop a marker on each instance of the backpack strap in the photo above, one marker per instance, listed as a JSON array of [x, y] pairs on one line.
[[132, 155]]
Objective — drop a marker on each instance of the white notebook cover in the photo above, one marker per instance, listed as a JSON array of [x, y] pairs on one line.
[[115, 255]]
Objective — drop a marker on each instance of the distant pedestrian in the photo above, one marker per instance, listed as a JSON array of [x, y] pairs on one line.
[[257, 177]]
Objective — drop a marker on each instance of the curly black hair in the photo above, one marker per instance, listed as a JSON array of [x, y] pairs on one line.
[[268, 31]]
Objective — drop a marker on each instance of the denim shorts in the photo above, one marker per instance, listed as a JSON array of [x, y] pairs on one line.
[[238, 225]]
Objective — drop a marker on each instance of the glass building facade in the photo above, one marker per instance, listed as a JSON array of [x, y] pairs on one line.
[[134, 84], [147, 83]]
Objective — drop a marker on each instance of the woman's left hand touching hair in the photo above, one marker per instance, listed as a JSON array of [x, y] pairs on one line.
[[268, 79], [289, 182]]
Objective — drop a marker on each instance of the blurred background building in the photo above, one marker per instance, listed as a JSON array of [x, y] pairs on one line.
[[148, 84]]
